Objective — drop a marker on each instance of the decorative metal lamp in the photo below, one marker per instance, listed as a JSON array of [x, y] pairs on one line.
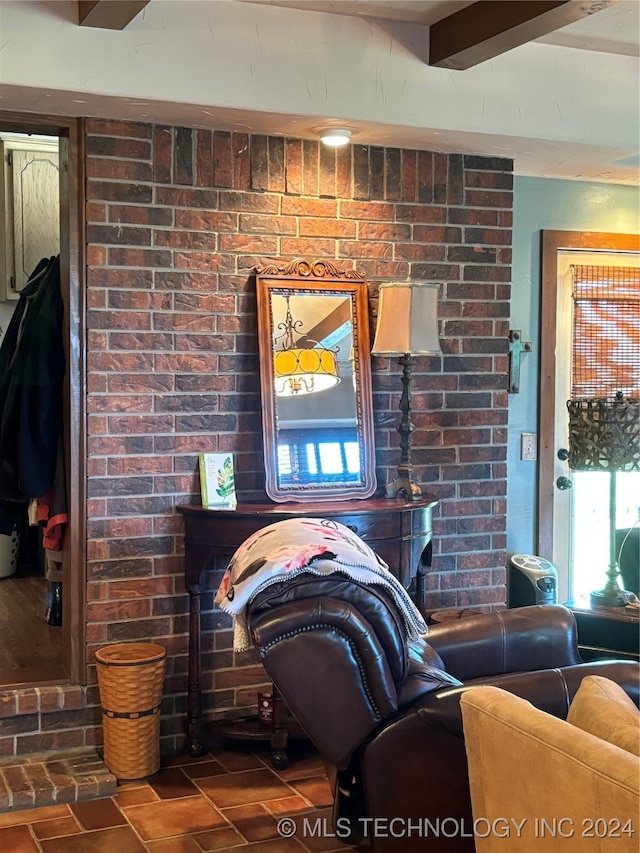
[[301, 370], [407, 326], [604, 435]]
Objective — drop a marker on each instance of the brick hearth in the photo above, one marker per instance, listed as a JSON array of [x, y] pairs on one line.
[[53, 778]]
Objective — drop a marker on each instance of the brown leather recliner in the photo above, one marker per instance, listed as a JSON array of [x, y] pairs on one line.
[[385, 715]]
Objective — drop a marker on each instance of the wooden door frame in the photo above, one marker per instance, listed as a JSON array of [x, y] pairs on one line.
[[552, 243], [70, 132]]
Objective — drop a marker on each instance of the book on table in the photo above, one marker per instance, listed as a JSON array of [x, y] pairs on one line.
[[217, 481]]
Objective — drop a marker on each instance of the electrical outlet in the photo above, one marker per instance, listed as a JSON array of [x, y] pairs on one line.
[[528, 446]]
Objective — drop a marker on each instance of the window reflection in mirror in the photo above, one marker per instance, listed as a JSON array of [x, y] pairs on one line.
[[315, 381]]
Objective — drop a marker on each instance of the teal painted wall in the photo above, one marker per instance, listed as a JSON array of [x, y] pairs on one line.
[[543, 204]]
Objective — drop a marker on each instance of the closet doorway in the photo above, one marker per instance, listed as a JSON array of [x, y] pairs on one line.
[[35, 652]]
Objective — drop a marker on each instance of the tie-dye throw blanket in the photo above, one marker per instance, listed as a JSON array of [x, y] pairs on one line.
[[286, 549]]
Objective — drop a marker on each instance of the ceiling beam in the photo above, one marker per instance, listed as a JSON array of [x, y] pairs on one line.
[[108, 14], [490, 27]]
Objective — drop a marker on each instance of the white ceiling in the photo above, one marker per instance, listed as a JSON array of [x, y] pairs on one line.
[[615, 30], [565, 106]]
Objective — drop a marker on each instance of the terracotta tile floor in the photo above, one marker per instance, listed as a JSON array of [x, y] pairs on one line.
[[224, 801]]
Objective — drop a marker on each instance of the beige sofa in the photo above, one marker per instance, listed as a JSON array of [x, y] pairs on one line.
[[539, 783]]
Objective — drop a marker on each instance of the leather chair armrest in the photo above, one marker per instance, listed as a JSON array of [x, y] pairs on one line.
[[523, 639], [550, 690], [424, 674]]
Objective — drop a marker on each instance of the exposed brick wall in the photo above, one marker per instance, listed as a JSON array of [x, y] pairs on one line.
[[175, 220]]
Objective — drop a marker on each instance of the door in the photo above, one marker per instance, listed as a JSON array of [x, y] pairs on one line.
[[71, 667], [572, 508]]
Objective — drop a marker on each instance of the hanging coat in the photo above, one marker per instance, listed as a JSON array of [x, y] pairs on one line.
[[31, 380]]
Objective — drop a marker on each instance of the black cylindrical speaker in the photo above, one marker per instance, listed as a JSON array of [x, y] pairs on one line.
[[531, 580]]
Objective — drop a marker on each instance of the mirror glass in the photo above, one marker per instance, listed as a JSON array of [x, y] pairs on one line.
[[315, 381]]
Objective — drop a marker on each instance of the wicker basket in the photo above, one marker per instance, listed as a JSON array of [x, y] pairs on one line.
[[130, 678]]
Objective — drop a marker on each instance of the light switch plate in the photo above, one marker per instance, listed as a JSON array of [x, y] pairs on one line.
[[528, 446]]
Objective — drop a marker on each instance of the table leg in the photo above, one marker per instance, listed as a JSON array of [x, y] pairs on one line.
[[423, 566], [194, 688], [421, 590], [279, 734]]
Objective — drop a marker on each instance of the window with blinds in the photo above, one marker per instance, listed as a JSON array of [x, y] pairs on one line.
[[606, 331]]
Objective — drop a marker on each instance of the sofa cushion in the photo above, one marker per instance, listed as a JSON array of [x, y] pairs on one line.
[[602, 708]]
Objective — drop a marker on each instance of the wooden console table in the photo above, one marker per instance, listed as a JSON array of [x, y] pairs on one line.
[[399, 531]]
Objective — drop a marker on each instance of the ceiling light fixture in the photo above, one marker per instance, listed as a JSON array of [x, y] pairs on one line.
[[335, 136]]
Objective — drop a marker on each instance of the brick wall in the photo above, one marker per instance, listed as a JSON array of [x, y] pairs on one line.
[[175, 220], [47, 719]]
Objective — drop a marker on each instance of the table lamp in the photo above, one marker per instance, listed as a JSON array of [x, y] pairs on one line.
[[407, 326]]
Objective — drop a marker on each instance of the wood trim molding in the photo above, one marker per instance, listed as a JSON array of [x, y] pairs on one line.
[[108, 14], [488, 28], [73, 218], [552, 243]]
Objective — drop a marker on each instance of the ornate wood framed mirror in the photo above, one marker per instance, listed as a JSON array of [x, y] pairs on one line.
[[315, 380]]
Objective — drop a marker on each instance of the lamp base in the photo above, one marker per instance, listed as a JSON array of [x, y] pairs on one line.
[[405, 484], [610, 597]]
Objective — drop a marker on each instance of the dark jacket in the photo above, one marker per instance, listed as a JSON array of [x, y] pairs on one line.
[[31, 378]]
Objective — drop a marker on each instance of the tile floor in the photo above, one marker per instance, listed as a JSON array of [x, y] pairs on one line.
[[225, 801]]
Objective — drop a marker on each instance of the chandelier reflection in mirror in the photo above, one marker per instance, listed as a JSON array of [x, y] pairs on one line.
[[317, 446], [300, 364]]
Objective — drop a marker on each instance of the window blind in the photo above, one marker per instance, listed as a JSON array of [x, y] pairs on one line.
[[606, 331]]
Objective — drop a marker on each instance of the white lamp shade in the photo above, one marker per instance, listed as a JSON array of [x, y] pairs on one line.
[[407, 319]]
